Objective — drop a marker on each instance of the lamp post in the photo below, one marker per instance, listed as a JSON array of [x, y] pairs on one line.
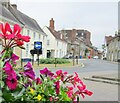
[[73, 56], [79, 45]]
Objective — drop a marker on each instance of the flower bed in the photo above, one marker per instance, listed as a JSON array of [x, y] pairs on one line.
[[52, 61], [24, 85]]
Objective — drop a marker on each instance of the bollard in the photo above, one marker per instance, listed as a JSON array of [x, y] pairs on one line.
[[76, 59]]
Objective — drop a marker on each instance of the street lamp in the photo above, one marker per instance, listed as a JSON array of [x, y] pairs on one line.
[[79, 45], [73, 56]]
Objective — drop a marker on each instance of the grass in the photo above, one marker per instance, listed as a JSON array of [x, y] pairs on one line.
[[48, 65]]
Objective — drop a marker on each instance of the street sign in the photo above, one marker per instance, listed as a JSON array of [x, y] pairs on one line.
[[38, 45]]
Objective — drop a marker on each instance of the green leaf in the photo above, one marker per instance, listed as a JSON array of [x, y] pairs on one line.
[[2, 84], [8, 97], [1, 64], [21, 92]]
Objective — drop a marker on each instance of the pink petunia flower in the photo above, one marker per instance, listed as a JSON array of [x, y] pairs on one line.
[[9, 71], [11, 79], [46, 72], [14, 57], [11, 83], [28, 71]]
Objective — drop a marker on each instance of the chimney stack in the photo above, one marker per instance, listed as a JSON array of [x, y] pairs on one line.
[[52, 24], [14, 6], [5, 3]]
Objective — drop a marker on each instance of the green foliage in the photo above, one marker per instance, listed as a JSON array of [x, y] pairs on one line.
[[52, 61]]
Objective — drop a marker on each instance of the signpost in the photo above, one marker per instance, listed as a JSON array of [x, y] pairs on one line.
[[38, 45], [37, 50], [32, 53]]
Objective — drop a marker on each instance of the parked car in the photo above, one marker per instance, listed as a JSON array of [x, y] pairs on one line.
[[118, 60], [68, 56], [104, 58], [95, 57], [26, 59]]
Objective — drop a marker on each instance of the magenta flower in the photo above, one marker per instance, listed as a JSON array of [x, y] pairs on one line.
[[6, 30], [38, 81], [57, 87], [61, 74], [70, 92], [28, 71], [11, 79], [8, 68], [76, 80], [14, 37], [11, 83], [29, 83], [28, 66], [82, 90], [9, 71], [14, 58], [46, 72]]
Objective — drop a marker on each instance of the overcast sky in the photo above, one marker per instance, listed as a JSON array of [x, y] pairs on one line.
[[98, 17]]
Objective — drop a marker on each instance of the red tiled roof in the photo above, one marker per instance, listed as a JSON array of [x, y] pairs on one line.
[[56, 34]]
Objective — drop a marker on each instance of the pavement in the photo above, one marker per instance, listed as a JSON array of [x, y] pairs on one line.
[[102, 91], [109, 78], [105, 77]]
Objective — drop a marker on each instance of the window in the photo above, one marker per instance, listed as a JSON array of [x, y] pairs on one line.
[[82, 34], [27, 50], [39, 36], [48, 42]]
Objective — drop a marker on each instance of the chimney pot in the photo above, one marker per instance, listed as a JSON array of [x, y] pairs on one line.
[[52, 24]]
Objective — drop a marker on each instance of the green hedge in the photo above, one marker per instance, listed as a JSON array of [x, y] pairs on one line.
[[52, 61]]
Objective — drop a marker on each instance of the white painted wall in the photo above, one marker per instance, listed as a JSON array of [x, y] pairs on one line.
[[35, 36], [59, 47]]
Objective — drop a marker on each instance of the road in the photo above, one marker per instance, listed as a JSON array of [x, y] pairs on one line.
[[90, 66], [102, 91]]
